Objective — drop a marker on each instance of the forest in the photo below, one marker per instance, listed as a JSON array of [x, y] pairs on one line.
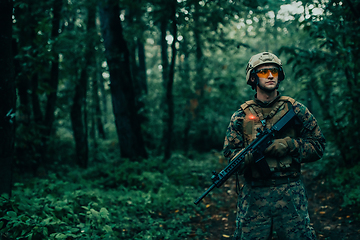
[[114, 112]]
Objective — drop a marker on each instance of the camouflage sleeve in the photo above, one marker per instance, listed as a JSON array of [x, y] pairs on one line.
[[310, 145], [234, 141]]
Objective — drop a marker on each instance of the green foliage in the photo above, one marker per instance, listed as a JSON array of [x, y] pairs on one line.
[[126, 200], [329, 69], [346, 181], [215, 40]]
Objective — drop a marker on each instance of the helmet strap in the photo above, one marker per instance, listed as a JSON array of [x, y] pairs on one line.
[[256, 82]]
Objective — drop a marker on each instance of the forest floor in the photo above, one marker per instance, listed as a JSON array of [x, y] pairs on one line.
[[328, 217]]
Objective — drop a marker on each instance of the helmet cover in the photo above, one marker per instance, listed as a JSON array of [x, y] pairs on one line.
[[261, 59]]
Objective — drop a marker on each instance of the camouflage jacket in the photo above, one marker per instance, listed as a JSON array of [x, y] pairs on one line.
[[307, 146]]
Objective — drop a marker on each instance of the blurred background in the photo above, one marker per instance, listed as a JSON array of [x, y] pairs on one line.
[[115, 112]]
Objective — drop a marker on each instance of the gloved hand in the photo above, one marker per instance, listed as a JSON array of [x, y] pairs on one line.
[[279, 148], [249, 158]]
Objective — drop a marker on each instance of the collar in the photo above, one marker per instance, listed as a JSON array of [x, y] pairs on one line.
[[266, 104]]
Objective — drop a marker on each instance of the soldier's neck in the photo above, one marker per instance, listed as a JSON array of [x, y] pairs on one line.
[[265, 96]]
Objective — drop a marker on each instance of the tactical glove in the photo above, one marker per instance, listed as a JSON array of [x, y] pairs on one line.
[[279, 148], [248, 158]]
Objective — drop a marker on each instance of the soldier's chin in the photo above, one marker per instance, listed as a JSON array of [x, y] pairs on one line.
[[268, 88]]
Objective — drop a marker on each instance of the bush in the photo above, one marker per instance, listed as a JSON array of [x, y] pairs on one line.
[[346, 181], [127, 200]]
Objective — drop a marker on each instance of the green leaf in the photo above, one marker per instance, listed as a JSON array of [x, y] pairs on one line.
[[60, 236], [30, 235], [45, 231], [104, 213], [95, 213], [74, 230], [12, 214], [107, 229]]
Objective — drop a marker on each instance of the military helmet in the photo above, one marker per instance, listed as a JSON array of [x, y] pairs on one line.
[[260, 59]]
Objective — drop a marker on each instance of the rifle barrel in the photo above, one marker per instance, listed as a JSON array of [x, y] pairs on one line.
[[204, 194]]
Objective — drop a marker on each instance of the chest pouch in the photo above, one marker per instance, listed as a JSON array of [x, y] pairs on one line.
[[260, 118]]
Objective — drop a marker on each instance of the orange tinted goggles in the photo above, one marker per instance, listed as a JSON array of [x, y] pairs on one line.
[[265, 72]]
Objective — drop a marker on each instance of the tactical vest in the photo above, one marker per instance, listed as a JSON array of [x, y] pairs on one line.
[[259, 118]]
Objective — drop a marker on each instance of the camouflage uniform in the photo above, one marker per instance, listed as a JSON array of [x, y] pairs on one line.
[[279, 203]]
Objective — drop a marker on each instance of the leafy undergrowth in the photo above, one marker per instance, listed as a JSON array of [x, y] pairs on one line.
[[153, 199], [150, 199]]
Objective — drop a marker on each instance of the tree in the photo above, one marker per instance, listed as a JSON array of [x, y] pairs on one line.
[[36, 31], [209, 53], [122, 91], [329, 67], [53, 81], [29, 72], [7, 96], [79, 108], [135, 25], [168, 72]]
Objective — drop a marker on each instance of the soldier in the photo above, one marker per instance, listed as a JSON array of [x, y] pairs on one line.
[[275, 203]]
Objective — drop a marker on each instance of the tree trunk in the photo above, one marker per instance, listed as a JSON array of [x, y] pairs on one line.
[[139, 69], [102, 102], [123, 98], [185, 79], [142, 67], [164, 52], [29, 151], [168, 134], [49, 117], [7, 96], [137, 75], [78, 121], [23, 87], [79, 109], [35, 101], [200, 80], [23, 68], [97, 109]]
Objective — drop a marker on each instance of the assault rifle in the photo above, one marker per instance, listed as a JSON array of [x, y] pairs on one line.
[[257, 147]]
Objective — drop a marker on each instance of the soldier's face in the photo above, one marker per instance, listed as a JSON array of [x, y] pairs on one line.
[[268, 77]]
